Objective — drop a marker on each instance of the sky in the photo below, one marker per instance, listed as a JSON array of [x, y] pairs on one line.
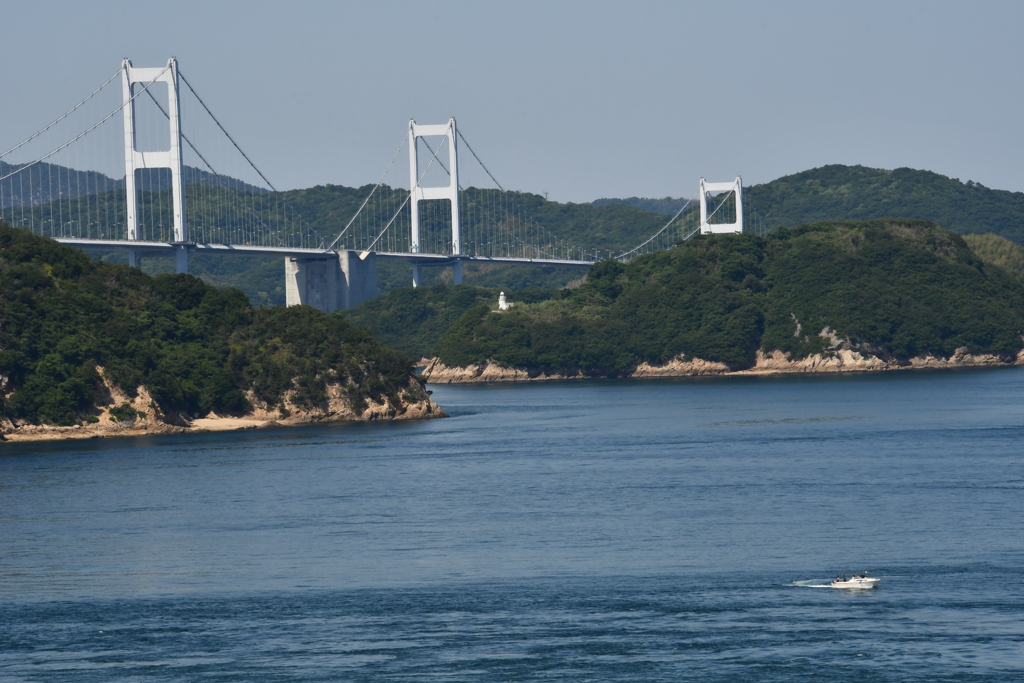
[[579, 100]]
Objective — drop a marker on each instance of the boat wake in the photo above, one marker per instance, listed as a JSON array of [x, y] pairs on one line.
[[810, 583]]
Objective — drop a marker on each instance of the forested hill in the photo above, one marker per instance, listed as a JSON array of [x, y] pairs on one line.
[[666, 206], [833, 192], [894, 288], [74, 332], [839, 192], [43, 183], [412, 319], [856, 193], [998, 251]]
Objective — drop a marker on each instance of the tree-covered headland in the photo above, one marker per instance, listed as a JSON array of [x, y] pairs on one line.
[[413, 319], [891, 287], [72, 328]]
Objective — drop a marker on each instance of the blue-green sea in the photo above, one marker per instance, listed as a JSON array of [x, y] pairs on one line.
[[666, 530]]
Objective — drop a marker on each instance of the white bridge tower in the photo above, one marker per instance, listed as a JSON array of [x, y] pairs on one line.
[[449, 192], [170, 158], [706, 189]]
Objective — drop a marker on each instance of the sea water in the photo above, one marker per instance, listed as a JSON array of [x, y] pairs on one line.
[[664, 530]]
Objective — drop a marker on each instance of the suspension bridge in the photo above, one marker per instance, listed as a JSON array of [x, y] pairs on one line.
[[189, 188]]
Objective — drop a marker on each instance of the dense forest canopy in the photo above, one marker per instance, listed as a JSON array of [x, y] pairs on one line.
[[413, 319], [998, 251], [858, 193], [196, 348]]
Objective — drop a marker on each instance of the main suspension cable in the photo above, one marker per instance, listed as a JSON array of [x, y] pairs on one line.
[[663, 229], [470, 148], [183, 136], [86, 132], [375, 187], [62, 117], [528, 217], [225, 131]]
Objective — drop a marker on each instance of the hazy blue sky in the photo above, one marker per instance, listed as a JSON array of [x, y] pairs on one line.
[[582, 99]]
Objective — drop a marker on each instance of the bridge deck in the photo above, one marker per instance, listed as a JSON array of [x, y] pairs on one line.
[[168, 248]]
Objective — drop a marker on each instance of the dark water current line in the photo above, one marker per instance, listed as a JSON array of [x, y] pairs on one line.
[[606, 531]]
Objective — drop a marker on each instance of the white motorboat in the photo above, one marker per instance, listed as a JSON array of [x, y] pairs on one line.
[[855, 581]]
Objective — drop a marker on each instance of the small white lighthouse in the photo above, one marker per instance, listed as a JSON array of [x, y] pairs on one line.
[[503, 304]]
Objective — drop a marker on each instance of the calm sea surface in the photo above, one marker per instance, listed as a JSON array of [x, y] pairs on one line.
[[610, 531]]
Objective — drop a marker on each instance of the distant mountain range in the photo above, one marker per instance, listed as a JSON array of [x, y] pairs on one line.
[[44, 183], [834, 192], [838, 192]]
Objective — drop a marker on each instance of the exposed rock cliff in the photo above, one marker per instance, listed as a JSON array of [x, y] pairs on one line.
[[413, 404], [833, 296], [839, 360]]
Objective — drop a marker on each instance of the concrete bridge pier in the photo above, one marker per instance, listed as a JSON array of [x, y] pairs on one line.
[[417, 273], [180, 258], [359, 281], [331, 283], [180, 254]]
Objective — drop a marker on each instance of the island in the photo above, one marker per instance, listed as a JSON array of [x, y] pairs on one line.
[[882, 294], [92, 349]]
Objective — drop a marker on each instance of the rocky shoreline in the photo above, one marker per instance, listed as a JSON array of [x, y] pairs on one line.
[[414, 404], [775, 363]]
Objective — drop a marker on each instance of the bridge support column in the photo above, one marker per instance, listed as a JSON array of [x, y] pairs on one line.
[[457, 273], [705, 190], [181, 259], [418, 193], [170, 159], [313, 282], [332, 283], [417, 275], [359, 278], [135, 258]]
